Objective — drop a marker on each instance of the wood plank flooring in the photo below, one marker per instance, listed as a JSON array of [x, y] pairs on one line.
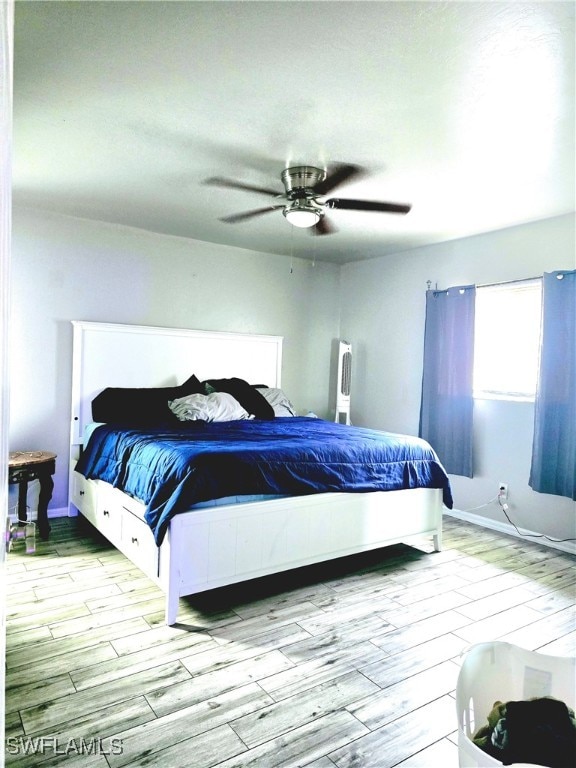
[[350, 664]]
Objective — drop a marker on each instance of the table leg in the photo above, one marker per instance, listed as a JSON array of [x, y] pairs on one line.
[[22, 499], [46, 488]]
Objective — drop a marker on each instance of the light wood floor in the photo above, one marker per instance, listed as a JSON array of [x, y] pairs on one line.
[[351, 664]]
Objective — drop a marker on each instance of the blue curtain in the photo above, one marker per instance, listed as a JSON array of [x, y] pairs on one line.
[[447, 402], [553, 467]]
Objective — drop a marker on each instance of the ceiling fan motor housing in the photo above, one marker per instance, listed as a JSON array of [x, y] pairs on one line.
[[301, 177]]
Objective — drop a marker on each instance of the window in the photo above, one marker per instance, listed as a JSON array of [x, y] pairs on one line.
[[507, 340]]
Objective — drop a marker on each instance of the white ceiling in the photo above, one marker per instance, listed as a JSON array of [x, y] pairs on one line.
[[463, 109]]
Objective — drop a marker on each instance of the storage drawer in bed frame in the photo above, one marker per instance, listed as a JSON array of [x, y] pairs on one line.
[[119, 519]]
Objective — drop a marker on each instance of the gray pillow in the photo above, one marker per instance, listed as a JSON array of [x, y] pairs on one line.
[[278, 400], [218, 406]]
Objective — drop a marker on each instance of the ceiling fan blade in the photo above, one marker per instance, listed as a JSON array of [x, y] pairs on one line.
[[236, 217], [337, 175], [324, 227], [367, 205], [219, 181]]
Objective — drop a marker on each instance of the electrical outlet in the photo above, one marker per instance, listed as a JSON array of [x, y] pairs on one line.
[[503, 491]]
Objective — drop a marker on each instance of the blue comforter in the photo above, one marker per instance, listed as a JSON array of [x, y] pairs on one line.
[[170, 469]]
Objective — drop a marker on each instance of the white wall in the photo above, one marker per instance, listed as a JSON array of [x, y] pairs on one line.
[[383, 308], [71, 269]]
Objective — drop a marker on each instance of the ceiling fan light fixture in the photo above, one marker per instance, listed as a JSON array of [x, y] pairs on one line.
[[302, 211], [301, 217]]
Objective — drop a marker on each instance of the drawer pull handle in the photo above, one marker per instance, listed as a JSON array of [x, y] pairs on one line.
[[82, 493], [106, 513], [134, 540]]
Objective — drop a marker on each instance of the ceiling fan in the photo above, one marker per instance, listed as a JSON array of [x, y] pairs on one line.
[[304, 185]]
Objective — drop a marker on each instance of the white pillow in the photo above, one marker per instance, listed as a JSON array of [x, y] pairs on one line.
[[278, 400], [218, 406]]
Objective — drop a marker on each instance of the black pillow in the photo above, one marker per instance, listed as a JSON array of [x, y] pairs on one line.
[[248, 397], [141, 406]]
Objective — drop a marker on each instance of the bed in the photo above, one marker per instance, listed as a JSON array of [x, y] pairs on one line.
[[269, 511]]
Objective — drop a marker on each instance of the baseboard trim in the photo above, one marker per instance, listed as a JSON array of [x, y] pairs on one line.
[[525, 534], [58, 512]]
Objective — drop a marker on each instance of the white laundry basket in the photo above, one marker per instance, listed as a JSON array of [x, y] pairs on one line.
[[502, 672]]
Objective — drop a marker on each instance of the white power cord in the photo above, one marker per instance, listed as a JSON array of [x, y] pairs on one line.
[[487, 504], [501, 499]]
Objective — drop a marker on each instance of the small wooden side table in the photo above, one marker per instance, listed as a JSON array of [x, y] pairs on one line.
[[24, 466]]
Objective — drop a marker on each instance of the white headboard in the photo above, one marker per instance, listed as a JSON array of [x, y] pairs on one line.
[[111, 355]]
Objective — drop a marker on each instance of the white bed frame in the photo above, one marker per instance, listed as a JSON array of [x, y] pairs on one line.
[[213, 547]]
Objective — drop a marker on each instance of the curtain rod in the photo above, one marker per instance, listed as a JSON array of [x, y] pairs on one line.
[[508, 282], [488, 285]]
